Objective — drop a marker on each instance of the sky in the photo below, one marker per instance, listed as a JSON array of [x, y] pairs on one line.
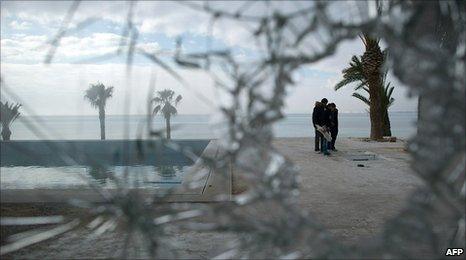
[[86, 55]]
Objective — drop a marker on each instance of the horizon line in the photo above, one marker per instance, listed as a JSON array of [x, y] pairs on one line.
[[210, 114]]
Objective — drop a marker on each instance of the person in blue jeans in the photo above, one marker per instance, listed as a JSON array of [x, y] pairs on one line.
[[325, 144]]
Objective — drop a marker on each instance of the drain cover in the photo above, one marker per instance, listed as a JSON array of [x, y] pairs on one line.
[[361, 156]]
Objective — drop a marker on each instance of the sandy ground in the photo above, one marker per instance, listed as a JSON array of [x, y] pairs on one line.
[[352, 202]]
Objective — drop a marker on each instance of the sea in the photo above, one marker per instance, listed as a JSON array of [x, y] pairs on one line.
[[403, 125]]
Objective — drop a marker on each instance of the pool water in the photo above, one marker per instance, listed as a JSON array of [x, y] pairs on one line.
[[76, 177]]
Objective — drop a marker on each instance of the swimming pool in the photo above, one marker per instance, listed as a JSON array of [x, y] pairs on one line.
[[79, 177], [79, 164]]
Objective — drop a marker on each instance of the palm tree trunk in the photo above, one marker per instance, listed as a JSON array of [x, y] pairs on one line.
[[6, 133], [386, 124], [376, 115], [420, 108], [167, 125], [102, 122]]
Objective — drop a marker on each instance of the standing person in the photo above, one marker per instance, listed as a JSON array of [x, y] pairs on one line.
[[333, 125], [320, 120]]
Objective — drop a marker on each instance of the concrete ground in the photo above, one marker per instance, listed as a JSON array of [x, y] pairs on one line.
[[352, 202]]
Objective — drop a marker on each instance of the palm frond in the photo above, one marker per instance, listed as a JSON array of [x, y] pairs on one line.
[[156, 110], [384, 77], [362, 38], [362, 98], [109, 92], [97, 94], [390, 91], [387, 92], [369, 41], [355, 59], [360, 85], [92, 96], [390, 103], [356, 63], [178, 99], [166, 95], [157, 100], [9, 112], [346, 81], [173, 110], [352, 73], [385, 57], [168, 110]]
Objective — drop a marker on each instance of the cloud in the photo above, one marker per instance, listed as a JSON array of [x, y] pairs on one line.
[[61, 85], [20, 25], [32, 49], [23, 48], [150, 47], [162, 17]]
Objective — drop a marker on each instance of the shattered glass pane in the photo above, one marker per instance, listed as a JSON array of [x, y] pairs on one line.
[[427, 53]]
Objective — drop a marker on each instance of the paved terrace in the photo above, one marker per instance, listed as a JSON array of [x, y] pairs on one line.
[[352, 201]]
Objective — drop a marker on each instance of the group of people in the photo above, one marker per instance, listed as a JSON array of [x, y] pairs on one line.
[[325, 121]]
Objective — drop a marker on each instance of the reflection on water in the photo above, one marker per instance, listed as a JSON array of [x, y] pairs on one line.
[[73, 177], [99, 173], [169, 172]]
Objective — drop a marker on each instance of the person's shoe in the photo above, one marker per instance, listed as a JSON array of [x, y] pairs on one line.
[[317, 150], [326, 153]]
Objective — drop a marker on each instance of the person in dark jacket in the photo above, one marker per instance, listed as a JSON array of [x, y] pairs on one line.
[[320, 116], [333, 125]]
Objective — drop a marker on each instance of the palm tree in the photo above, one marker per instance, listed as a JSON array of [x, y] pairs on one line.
[[387, 102], [8, 114], [366, 71], [166, 103], [97, 94], [372, 62]]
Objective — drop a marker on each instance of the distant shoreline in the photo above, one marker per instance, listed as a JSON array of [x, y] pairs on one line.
[[194, 126], [286, 114]]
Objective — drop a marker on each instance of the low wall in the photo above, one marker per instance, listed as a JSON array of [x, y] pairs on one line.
[[98, 152]]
